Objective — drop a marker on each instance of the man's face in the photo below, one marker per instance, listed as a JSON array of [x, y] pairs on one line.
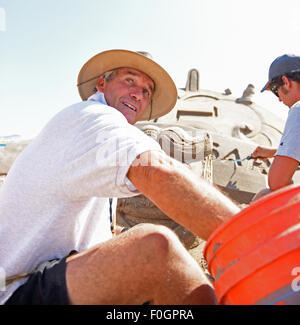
[[288, 93], [283, 94], [129, 91]]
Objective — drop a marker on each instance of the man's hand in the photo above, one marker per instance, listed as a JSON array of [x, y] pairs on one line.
[[180, 194], [263, 153]]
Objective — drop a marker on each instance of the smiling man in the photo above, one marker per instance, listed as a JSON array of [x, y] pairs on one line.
[[55, 203], [127, 90], [284, 82]]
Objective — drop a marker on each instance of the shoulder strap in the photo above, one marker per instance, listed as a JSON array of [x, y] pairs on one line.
[[112, 217]]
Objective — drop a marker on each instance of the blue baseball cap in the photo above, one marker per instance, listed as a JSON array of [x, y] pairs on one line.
[[283, 64]]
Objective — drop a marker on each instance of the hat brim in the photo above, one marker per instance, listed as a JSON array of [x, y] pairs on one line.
[[165, 94], [266, 87]]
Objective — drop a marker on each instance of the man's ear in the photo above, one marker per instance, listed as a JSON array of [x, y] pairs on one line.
[[100, 84], [286, 81]]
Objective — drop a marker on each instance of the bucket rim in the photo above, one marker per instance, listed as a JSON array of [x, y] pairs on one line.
[[276, 194], [255, 261], [235, 247]]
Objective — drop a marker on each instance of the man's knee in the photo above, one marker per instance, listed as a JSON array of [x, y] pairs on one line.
[[157, 239]]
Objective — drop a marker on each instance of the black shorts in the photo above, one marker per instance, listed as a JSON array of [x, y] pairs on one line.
[[46, 286]]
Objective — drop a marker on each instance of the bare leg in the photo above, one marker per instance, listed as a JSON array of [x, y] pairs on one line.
[[146, 263]]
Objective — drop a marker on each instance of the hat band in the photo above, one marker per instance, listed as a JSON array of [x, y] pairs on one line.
[[84, 82]]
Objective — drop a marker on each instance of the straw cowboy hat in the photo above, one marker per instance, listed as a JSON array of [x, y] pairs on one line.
[[165, 94]]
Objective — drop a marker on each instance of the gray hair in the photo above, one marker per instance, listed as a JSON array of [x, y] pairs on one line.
[[108, 76]]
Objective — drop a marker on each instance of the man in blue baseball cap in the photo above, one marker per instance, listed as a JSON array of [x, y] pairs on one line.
[[284, 82]]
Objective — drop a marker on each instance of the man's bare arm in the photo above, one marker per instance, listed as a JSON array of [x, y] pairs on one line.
[[281, 172], [182, 195]]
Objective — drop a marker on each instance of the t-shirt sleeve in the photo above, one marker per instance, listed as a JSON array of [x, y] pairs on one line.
[[103, 149], [290, 142]]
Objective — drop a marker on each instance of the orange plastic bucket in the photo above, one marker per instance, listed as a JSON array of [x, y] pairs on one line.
[[254, 257]]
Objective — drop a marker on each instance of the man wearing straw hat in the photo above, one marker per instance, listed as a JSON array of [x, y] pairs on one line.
[[284, 82], [55, 199]]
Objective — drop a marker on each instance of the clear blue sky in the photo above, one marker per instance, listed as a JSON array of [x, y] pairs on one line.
[[44, 43]]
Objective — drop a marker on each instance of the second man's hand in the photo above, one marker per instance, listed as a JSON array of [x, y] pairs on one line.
[[263, 153]]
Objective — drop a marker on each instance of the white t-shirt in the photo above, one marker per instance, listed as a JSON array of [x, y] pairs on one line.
[[290, 141], [56, 195]]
